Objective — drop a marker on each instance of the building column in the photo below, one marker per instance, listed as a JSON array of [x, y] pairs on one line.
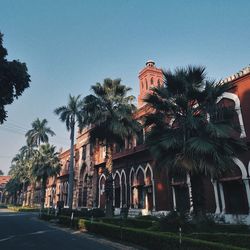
[[214, 182], [190, 193], [246, 183], [222, 198], [174, 198], [153, 191]]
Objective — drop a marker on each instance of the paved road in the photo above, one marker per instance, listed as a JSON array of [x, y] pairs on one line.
[[23, 231]]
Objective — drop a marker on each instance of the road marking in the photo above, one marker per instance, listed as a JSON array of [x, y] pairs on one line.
[[8, 238]]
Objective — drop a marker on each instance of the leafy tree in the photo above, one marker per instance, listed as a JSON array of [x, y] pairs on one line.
[[14, 79], [39, 132], [1, 172], [189, 131], [46, 164], [71, 115], [110, 110]]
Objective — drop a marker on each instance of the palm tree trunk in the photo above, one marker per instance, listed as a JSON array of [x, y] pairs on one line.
[[44, 181], [71, 167], [109, 181], [198, 196], [33, 186]]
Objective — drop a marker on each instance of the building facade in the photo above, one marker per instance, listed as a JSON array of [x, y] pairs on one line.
[[144, 187]]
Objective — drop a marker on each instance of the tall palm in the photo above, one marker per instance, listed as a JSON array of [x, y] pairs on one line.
[[71, 115], [200, 137], [19, 172], [46, 164], [39, 133], [110, 110]]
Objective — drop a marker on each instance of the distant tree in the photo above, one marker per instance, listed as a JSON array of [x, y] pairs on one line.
[[1, 172], [47, 164], [39, 132], [71, 114], [14, 79]]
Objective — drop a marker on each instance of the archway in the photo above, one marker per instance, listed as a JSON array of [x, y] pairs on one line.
[[117, 191], [102, 191], [140, 188]]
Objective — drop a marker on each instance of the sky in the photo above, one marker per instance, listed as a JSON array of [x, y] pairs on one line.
[[70, 45]]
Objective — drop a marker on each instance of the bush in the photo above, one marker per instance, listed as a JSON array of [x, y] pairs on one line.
[[129, 222], [241, 240], [152, 240], [23, 209]]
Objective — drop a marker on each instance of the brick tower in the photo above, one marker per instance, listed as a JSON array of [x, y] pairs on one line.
[[149, 77]]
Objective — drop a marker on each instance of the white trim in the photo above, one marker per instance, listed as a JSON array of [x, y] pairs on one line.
[[190, 194], [249, 168], [240, 164], [153, 182], [217, 210], [223, 210], [99, 187], [132, 170], [126, 188], [143, 171], [236, 100]]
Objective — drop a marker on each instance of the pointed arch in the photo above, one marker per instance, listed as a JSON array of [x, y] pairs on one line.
[[240, 164], [236, 100], [124, 194], [100, 190]]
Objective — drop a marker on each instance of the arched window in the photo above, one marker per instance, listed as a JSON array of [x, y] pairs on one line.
[[146, 82], [158, 83], [152, 81], [142, 85]]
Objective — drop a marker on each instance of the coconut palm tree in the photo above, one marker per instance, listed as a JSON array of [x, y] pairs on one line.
[[199, 137], [39, 132], [46, 164], [71, 115], [110, 110]]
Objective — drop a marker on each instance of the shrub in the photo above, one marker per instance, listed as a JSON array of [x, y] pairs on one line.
[[129, 222], [241, 240], [152, 240]]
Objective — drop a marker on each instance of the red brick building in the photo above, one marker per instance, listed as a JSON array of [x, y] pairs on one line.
[[144, 187]]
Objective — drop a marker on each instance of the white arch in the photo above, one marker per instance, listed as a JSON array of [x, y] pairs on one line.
[[236, 100], [137, 170], [242, 167], [249, 168], [132, 170], [152, 180], [117, 173], [151, 171], [99, 187], [125, 183]]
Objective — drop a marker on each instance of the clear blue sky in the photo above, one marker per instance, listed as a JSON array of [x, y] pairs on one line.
[[70, 45]]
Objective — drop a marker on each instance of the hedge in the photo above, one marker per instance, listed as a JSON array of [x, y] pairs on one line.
[[151, 240], [134, 223], [145, 238], [241, 240], [23, 209]]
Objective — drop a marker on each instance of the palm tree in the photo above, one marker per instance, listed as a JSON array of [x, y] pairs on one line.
[[47, 164], [39, 132], [200, 139], [71, 115], [19, 172], [110, 110]]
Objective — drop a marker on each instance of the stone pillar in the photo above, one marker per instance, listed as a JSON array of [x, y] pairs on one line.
[[153, 191], [174, 198], [222, 199], [190, 193], [246, 183], [214, 182]]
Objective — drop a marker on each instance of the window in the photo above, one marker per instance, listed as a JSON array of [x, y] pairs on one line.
[[146, 84], [152, 81], [84, 152], [142, 85], [158, 83]]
